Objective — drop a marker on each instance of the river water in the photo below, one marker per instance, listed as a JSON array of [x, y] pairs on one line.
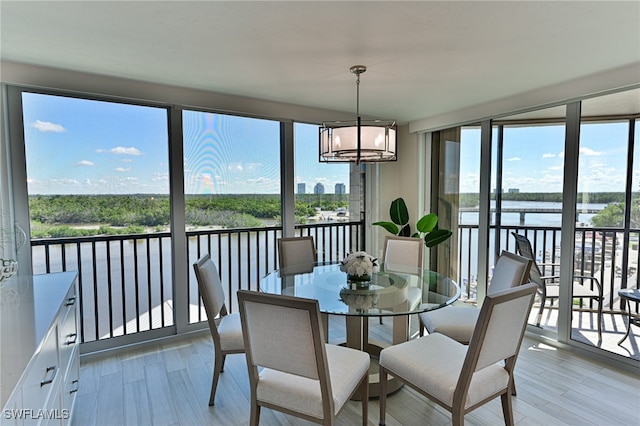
[[534, 219]]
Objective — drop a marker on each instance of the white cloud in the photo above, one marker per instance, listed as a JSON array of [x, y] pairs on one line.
[[514, 159], [160, 177], [121, 169], [121, 150], [85, 163], [548, 155], [46, 126], [589, 152]]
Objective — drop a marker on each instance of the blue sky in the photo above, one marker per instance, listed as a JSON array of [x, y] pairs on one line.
[[534, 158], [77, 146]]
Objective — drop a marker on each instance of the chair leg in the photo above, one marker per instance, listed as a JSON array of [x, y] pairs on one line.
[[383, 395], [600, 321], [218, 367], [507, 409], [255, 414], [513, 386], [539, 318], [457, 417], [364, 394]]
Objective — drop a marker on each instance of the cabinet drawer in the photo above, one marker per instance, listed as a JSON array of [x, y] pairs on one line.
[[42, 374], [68, 330], [70, 386]]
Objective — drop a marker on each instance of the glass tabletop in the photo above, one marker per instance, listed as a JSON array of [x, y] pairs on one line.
[[391, 290]]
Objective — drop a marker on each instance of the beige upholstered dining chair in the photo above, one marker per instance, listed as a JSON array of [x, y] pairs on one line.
[[291, 369], [458, 322], [226, 330], [458, 377], [404, 254], [296, 254]]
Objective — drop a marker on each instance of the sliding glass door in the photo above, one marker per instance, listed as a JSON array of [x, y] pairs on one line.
[[567, 179]]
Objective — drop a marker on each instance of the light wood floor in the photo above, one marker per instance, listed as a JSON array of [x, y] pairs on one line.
[[169, 384]]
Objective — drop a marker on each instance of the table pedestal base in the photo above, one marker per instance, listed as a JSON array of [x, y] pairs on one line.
[[358, 338]]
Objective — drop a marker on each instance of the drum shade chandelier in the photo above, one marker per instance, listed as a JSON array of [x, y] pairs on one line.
[[359, 141]]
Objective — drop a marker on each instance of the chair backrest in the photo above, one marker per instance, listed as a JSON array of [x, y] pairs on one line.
[[296, 253], [511, 270], [210, 290], [402, 252], [523, 246], [498, 333], [284, 333]]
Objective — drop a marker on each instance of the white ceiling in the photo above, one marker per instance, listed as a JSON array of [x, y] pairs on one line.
[[423, 58]]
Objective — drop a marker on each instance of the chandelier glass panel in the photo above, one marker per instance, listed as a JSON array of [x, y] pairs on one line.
[[359, 141]]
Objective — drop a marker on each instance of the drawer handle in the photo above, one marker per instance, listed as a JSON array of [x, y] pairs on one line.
[[53, 369], [72, 339], [71, 300], [75, 388]]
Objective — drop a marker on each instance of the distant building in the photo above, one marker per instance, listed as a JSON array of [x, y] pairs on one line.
[[318, 189], [302, 188], [340, 188], [514, 190]]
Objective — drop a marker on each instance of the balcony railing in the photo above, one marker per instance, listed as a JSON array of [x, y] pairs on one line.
[[125, 281], [126, 284]]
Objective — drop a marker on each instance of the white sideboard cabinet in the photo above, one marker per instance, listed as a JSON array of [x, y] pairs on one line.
[[39, 349]]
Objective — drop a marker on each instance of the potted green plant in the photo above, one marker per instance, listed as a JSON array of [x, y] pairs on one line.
[[426, 227]]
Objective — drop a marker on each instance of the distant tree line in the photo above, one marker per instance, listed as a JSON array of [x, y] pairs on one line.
[[53, 215], [59, 215]]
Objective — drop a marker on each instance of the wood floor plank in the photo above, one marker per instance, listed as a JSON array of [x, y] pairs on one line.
[[159, 394], [132, 368], [86, 407], [108, 407], [188, 406], [137, 410], [172, 359]]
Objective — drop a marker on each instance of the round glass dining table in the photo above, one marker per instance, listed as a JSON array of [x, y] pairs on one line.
[[393, 291]]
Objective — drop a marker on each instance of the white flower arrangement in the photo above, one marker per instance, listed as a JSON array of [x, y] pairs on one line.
[[359, 264]]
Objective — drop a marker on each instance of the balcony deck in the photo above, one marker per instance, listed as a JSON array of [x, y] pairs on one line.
[[585, 330], [169, 384]]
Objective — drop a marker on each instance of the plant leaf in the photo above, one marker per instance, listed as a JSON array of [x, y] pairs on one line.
[[405, 231], [398, 212], [436, 236], [390, 227], [427, 223]]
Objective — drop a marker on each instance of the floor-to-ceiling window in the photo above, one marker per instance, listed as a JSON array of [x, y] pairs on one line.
[[469, 182], [232, 197], [606, 243], [530, 175], [97, 171]]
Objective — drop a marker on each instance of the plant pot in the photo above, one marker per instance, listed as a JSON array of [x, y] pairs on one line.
[[360, 280]]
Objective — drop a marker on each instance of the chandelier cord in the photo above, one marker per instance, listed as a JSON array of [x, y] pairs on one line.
[[357, 95]]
